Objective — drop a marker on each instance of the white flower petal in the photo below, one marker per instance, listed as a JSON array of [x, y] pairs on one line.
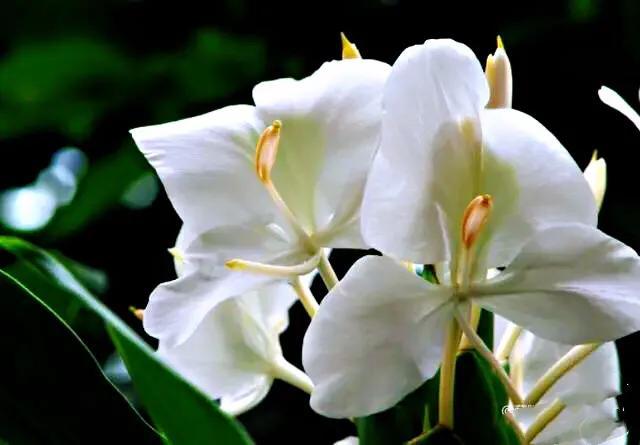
[[238, 403], [376, 337], [330, 131], [595, 379], [572, 284], [230, 354], [432, 87], [613, 99], [206, 166], [176, 308], [351, 440], [533, 180]]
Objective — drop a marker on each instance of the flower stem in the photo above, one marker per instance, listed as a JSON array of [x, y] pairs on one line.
[[326, 271], [543, 419], [508, 341], [486, 353], [474, 319], [305, 296], [566, 363], [286, 372], [447, 374]]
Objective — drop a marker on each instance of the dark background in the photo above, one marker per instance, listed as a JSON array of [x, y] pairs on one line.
[[80, 74]]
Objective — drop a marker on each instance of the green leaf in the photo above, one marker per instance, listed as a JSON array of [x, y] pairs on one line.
[[438, 436], [479, 398], [405, 420], [52, 390], [184, 414], [485, 327]]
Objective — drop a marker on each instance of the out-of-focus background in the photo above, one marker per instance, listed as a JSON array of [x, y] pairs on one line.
[[75, 76]]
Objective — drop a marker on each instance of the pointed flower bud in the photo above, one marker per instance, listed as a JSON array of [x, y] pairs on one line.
[[267, 150], [475, 218], [498, 72], [138, 313], [596, 176], [349, 50]]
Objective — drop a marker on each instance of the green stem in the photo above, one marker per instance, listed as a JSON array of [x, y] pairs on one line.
[[570, 360], [447, 374]]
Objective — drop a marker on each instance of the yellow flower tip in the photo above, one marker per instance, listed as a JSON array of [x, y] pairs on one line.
[[596, 176], [235, 264], [349, 50], [499, 43], [499, 78], [475, 219], [267, 150], [138, 313], [176, 254]]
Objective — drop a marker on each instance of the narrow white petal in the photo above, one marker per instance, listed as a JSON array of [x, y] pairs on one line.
[[376, 337], [206, 166], [613, 99], [330, 131], [572, 284], [431, 89]]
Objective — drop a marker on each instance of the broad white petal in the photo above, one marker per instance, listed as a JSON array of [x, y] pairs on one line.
[[176, 308], [206, 165], [595, 379], [216, 357], [591, 423], [533, 180], [229, 355], [330, 131], [572, 284], [613, 99], [431, 89], [376, 337]]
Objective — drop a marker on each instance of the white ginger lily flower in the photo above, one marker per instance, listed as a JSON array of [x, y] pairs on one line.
[[441, 148], [246, 205], [379, 334], [235, 353]]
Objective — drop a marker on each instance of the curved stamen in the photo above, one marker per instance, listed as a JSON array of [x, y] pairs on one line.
[[274, 270]]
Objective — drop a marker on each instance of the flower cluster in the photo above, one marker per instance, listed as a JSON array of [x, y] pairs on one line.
[[426, 162]]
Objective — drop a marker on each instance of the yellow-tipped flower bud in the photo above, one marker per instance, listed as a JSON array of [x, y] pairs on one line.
[[498, 72], [138, 313], [267, 150], [596, 176], [475, 218], [349, 50]]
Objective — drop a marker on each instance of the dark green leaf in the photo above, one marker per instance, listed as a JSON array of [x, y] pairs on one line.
[[485, 327], [405, 420], [52, 390], [438, 436], [182, 412], [478, 402]]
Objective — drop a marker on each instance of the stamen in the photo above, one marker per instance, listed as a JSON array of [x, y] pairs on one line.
[[475, 219], [276, 271], [267, 150], [349, 50]]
